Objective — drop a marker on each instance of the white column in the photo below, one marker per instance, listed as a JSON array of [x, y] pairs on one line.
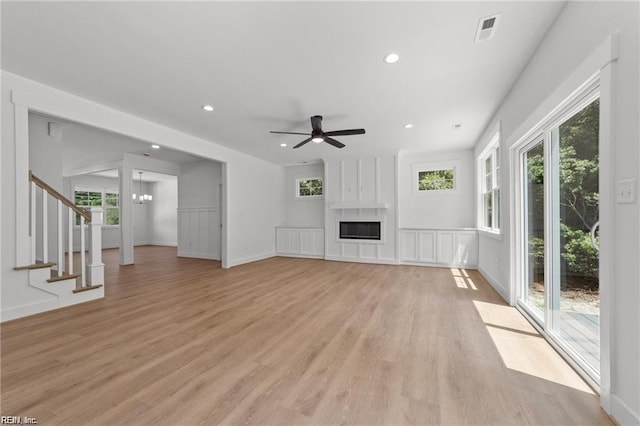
[[125, 174], [95, 268], [23, 240]]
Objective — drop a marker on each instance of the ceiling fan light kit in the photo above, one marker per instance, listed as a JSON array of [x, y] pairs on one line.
[[317, 135]]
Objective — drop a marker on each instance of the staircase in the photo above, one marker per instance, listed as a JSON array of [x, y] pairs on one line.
[[59, 279]]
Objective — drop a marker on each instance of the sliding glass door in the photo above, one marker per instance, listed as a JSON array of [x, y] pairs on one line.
[[559, 233], [533, 191]]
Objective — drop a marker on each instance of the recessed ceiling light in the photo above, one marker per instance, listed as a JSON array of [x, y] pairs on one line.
[[391, 58], [408, 126], [207, 108], [283, 145], [154, 146]]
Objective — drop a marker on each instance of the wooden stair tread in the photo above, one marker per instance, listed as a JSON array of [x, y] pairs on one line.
[[35, 266], [92, 287], [62, 278]]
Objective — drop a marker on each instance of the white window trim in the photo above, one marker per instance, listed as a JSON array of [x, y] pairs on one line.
[[308, 197], [489, 150], [104, 191], [416, 168]]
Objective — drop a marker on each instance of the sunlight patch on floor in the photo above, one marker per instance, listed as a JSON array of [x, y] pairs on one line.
[[523, 349], [462, 279]]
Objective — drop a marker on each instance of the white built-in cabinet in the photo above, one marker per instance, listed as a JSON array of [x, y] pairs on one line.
[[450, 247], [199, 232], [300, 242]]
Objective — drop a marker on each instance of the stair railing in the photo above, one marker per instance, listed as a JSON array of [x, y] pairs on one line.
[[91, 274]]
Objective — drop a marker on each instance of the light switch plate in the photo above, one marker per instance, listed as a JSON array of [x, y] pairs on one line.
[[626, 191]]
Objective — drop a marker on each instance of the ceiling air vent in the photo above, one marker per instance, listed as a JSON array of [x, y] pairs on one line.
[[487, 27]]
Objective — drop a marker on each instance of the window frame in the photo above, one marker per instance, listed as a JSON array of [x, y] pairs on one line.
[[418, 168], [298, 196], [104, 191], [491, 151]]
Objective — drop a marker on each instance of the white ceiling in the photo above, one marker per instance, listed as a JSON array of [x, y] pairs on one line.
[[271, 65]]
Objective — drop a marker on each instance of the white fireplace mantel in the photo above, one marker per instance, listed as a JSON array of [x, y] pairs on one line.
[[345, 206]]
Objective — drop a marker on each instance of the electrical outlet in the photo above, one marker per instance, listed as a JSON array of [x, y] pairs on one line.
[[626, 191]]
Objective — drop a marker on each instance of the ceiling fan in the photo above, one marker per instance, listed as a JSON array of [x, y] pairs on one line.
[[317, 135]]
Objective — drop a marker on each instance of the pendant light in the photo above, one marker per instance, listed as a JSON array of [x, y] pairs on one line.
[[141, 198]]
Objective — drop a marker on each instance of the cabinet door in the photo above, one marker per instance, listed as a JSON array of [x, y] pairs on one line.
[[427, 246], [294, 241], [446, 252], [367, 179], [282, 241], [317, 244], [408, 245], [467, 248]]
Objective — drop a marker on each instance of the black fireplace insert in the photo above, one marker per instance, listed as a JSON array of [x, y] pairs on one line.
[[359, 230]]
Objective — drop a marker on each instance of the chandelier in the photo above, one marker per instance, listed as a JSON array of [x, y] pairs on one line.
[[141, 198]]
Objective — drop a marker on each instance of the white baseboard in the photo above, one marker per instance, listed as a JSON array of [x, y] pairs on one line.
[[495, 284], [362, 260], [304, 256], [8, 314], [163, 243], [437, 265], [622, 413], [235, 262], [198, 255]]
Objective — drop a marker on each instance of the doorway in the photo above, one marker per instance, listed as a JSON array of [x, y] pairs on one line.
[[557, 229]]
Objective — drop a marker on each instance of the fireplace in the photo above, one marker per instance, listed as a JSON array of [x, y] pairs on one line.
[[360, 230]]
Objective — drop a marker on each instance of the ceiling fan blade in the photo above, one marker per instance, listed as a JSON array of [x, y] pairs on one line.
[[333, 142], [345, 132], [316, 123], [290, 133], [302, 143]]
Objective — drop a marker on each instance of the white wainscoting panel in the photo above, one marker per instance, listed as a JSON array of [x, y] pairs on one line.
[[446, 247], [467, 248], [409, 245], [199, 232], [427, 246], [300, 242]]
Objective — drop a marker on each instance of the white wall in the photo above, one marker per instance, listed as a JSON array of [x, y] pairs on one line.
[[164, 217], [198, 184], [435, 210], [303, 212], [579, 30]]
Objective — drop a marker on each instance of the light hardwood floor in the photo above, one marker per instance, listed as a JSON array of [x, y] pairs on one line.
[[287, 341]]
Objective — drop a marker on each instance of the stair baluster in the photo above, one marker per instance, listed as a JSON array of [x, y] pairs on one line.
[[45, 226], [33, 223], [83, 272], [70, 243], [60, 241]]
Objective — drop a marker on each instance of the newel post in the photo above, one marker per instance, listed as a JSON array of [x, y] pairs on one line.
[[95, 268]]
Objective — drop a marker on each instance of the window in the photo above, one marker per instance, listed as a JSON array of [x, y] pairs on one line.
[[108, 199], [437, 180], [489, 176], [309, 187]]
